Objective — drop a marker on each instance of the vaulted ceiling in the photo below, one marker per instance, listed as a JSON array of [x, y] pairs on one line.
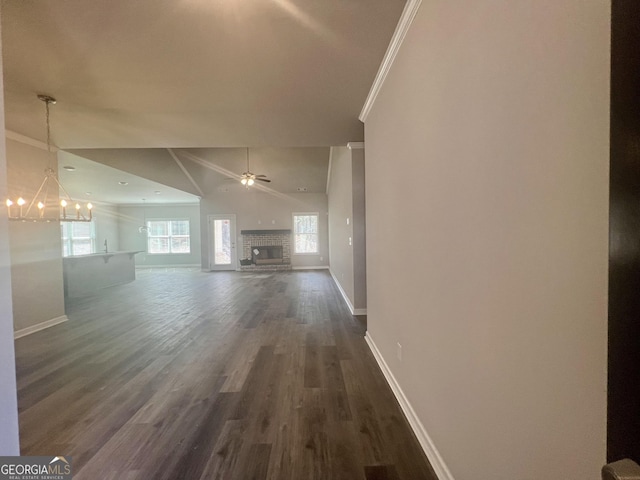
[[158, 74]]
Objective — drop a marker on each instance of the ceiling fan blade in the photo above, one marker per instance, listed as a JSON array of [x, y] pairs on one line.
[[263, 180], [260, 176]]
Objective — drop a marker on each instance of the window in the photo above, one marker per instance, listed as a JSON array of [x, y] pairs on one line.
[[305, 233], [168, 236], [78, 238]]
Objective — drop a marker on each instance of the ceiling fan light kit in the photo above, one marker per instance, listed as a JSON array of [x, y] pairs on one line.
[[17, 211], [248, 178]]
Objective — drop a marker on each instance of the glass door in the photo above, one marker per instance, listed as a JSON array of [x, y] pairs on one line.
[[222, 242]]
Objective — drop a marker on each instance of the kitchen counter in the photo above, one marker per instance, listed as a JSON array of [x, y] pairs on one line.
[[88, 274]]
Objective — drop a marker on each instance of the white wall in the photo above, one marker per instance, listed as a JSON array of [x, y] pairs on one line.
[[487, 192], [9, 444], [257, 210], [130, 238], [35, 247]]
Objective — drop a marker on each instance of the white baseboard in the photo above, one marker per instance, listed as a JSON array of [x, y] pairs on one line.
[[23, 332], [354, 311], [430, 450], [317, 267]]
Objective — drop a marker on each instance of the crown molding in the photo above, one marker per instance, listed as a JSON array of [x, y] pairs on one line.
[[355, 145], [18, 137], [408, 14]]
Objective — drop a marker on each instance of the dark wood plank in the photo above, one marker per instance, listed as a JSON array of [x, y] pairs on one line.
[[381, 472], [225, 375], [258, 462]]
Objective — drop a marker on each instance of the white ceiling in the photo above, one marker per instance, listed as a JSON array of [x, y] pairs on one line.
[[210, 171], [205, 78], [98, 183], [193, 73]]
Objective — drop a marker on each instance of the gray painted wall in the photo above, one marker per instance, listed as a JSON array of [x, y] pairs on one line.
[[347, 221], [9, 442], [107, 221], [487, 196], [130, 238], [341, 211], [358, 202], [35, 247], [257, 210]]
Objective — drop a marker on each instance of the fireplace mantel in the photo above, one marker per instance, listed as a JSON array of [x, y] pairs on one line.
[[265, 232]]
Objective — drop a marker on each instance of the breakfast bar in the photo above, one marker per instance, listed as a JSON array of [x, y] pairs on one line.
[[88, 274]]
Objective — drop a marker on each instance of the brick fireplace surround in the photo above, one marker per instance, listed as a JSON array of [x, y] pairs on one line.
[[266, 238]]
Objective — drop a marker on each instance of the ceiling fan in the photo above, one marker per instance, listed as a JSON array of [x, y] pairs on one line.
[[248, 178]]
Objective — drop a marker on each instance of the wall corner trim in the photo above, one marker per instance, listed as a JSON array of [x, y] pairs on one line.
[[18, 137], [355, 145], [23, 332], [436, 461], [409, 12]]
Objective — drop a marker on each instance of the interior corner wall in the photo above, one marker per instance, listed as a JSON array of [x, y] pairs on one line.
[[341, 221], [35, 247], [9, 438], [359, 229], [487, 237], [131, 217], [256, 210]]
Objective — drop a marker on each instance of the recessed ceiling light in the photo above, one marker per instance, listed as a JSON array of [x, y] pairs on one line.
[[69, 168], [302, 189], [123, 183], [88, 194], [157, 192]]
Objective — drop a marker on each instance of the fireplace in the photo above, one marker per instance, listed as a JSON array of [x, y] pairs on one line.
[[266, 255], [273, 250]]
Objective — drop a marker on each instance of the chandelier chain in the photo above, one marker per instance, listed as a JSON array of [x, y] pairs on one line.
[[48, 126]]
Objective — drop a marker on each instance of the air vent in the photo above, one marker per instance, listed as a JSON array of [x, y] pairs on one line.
[[302, 189]]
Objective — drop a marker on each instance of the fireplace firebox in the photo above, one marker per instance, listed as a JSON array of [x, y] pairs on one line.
[[267, 255]]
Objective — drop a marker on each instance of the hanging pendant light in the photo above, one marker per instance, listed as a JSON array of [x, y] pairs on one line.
[[47, 206], [144, 228]]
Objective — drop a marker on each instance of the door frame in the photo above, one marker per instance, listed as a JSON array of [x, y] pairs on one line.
[[211, 239]]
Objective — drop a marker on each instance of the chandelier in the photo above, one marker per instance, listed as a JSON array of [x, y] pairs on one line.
[[50, 208]]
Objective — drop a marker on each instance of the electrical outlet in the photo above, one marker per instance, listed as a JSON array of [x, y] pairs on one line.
[[350, 242], [399, 352]]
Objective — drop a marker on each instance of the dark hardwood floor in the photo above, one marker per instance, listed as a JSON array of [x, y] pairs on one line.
[[228, 375]]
